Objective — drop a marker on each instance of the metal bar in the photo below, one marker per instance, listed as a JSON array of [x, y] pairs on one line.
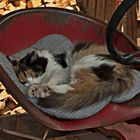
[[111, 30]]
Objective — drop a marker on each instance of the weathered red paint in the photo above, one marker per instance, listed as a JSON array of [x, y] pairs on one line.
[[21, 29]]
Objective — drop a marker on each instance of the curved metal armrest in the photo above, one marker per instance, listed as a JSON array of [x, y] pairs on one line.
[[111, 31]]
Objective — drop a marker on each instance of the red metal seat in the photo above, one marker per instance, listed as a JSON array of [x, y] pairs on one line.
[[20, 29]]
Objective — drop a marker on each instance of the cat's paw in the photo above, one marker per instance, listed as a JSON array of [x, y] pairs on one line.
[[33, 91], [39, 91]]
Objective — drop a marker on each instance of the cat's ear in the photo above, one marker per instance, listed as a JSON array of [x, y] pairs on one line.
[[15, 63], [29, 58], [33, 56], [104, 71], [8, 57]]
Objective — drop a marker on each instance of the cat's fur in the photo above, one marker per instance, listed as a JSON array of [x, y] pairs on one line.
[[74, 81], [40, 66]]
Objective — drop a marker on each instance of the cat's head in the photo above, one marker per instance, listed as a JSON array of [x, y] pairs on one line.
[[31, 66]]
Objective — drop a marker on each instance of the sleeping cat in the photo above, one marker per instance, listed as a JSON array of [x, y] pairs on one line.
[[73, 79]]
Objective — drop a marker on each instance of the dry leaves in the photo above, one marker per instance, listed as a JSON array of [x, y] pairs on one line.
[[8, 105], [7, 6]]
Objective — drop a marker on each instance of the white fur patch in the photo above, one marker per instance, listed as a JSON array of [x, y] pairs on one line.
[[91, 61]]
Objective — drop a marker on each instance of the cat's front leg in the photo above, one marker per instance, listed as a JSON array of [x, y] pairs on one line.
[[44, 90], [39, 91], [61, 89]]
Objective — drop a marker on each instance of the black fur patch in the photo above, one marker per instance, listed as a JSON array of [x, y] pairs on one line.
[[32, 60], [1, 90], [61, 59], [80, 46], [104, 71], [39, 64]]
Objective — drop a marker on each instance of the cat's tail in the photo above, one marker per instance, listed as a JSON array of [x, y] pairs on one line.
[[68, 102], [72, 102], [75, 101]]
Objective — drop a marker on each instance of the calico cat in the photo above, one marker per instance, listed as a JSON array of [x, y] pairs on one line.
[[42, 67], [72, 81]]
